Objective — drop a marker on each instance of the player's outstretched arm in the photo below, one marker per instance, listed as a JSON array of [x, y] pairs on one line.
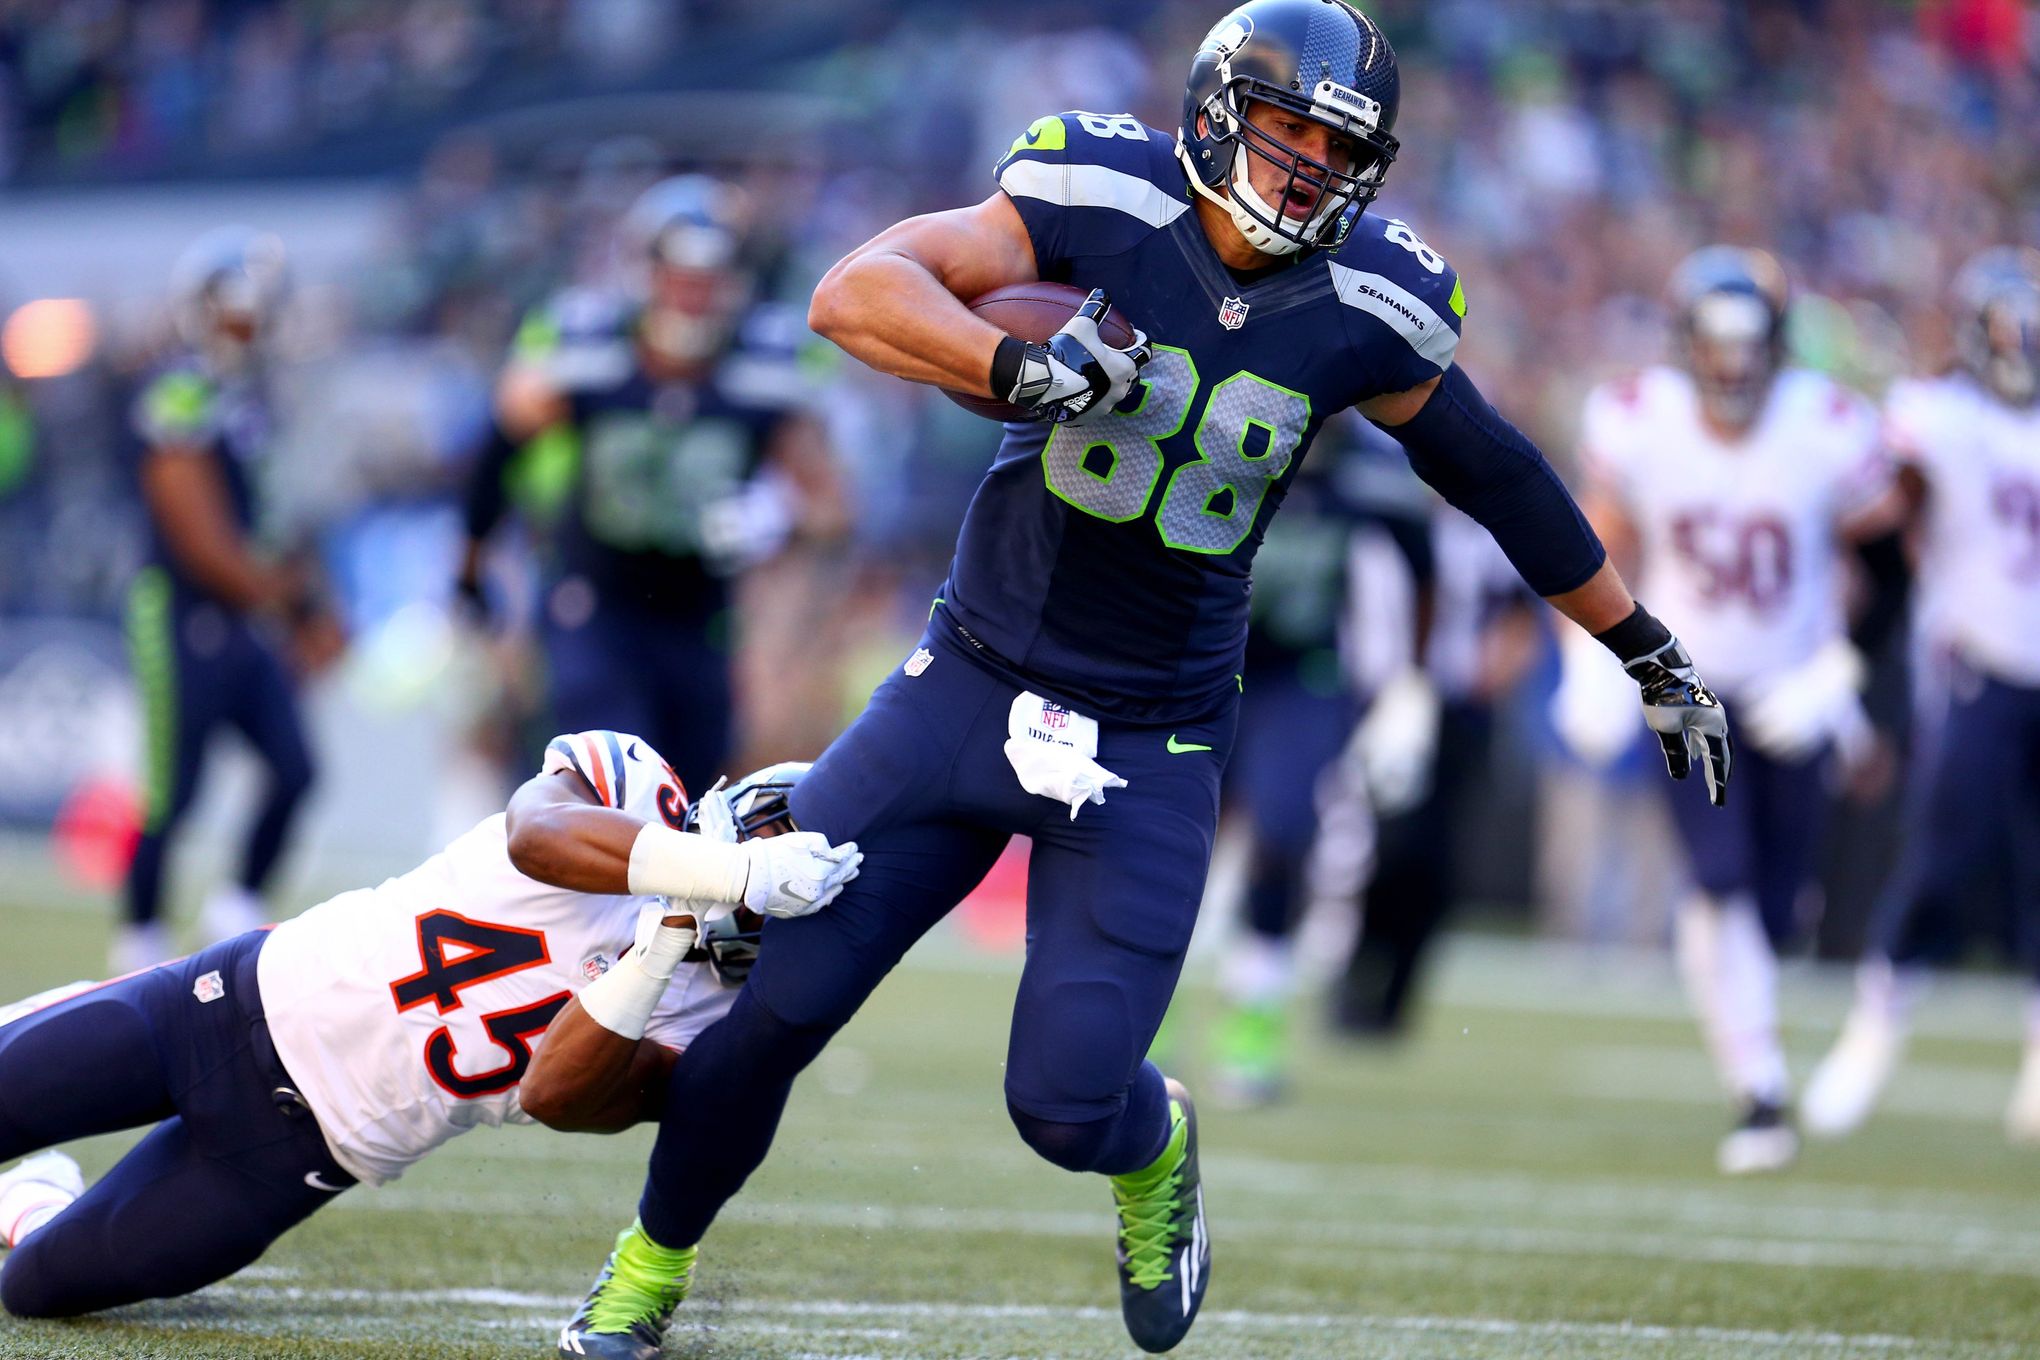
[[560, 832], [896, 302]]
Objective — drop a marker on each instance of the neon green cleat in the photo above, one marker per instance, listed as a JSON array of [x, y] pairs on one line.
[[1164, 1250], [1251, 1055], [624, 1316]]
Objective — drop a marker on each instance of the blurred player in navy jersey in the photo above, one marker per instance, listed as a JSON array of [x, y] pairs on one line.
[[1969, 445], [1079, 679], [1297, 711], [215, 623], [694, 461], [1735, 483]]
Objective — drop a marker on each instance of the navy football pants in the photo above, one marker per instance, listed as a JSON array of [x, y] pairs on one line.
[[1980, 814], [647, 673], [222, 1175], [199, 668], [921, 782]]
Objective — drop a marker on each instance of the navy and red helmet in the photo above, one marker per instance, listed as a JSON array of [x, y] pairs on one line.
[[1320, 59], [1997, 321], [1728, 306]]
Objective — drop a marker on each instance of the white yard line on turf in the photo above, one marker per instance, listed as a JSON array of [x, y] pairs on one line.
[[548, 1308]]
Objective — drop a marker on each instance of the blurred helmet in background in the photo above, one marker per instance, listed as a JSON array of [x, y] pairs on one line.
[[689, 232], [1728, 315], [226, 288], [1321, 59], [1997, 321]]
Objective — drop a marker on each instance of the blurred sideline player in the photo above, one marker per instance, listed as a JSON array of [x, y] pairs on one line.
[[1090, 632], [1731, 480], [210, 618], [1418, 759], [1297, 711], [1969, 442], [495, 983], [694, 462]]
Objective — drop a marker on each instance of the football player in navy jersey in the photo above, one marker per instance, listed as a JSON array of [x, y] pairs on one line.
[[1078, 680], [216, 622], [695, 461]]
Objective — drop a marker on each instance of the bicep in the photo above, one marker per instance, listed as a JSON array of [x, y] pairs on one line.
[[970, 251]]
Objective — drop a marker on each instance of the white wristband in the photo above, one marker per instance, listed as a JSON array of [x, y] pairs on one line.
[[622, 1000], [680, 864]]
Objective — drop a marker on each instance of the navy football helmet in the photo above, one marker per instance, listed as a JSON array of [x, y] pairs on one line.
[[759, 801], [688, 232], [1728, 314], [1320, 59], [1997, 322]]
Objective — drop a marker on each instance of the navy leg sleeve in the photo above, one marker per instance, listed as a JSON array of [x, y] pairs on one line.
[[1488, 468]]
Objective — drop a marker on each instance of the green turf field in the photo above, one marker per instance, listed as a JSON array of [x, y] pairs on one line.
[[1530, 1177]]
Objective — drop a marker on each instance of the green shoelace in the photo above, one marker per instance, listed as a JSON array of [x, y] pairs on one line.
[[1148, 1202], [646, 1281]]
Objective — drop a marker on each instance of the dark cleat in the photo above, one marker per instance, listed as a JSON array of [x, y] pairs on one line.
[[624, 1316], [1164, 1250]]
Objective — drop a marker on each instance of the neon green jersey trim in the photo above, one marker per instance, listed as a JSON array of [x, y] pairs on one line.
[[1458, 298], [1045, 133]]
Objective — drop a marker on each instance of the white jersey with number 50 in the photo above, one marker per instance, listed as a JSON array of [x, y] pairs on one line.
[[408, 1013], [1738, 540], [1979, 568]]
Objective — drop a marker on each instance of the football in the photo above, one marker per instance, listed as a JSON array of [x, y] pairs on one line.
[[1033, 312]]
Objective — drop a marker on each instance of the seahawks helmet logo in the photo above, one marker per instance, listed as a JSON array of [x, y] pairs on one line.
[[1231, 34]]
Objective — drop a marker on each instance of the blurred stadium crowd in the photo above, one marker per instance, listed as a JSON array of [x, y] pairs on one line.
[[1563, 155]]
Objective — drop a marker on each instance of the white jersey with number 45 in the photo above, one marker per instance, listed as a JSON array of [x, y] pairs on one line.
[[1980, 553], [408, 1013], [1738, 539]]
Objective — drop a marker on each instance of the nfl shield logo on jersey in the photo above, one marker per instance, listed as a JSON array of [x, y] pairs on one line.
[[1232, 314], [919, 661]]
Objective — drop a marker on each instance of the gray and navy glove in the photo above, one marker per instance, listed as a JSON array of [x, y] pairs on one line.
[[1689, 721], [1075, 377]]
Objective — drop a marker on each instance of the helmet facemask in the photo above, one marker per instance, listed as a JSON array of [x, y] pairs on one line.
[[1732, 353], [2007, 345], [1326, 199]]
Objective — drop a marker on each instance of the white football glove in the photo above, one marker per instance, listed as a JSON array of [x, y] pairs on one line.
[[1793, 715], [1397, 742], [797, 873], [1076, 377]]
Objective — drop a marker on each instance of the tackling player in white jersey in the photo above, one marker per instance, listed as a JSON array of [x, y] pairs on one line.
[[1970, 443], [1732, 481], [545, 966]]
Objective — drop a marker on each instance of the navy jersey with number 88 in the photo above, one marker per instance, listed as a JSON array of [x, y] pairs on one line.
[[1108, 562]]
